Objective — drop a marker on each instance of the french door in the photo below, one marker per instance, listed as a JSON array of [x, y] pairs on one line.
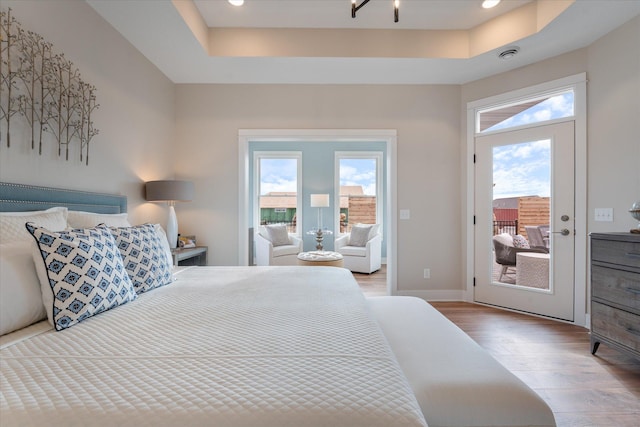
[[524, 196]]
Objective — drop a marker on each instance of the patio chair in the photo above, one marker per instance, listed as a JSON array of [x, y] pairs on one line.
[[536, 238], [505, 252]]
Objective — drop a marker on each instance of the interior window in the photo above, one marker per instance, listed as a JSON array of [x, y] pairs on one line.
[[278, 189], [360, 182]]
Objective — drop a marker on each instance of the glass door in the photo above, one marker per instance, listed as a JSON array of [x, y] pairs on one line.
[[524, 232]]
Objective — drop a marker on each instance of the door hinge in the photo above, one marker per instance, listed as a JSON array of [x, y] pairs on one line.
[[474, 282], [474, 220], [474, 158]]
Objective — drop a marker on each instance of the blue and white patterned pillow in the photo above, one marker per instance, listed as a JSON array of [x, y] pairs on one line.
[[520, 242], [81, 273], [144, 256]]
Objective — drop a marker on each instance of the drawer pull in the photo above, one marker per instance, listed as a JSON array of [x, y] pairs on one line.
[[633, 291], [633, 331], [633, 255]]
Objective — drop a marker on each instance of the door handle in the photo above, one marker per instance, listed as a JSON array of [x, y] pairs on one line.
[[564, 232]]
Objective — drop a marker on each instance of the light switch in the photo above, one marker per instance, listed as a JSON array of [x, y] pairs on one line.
[[604, 214], [405, 214]]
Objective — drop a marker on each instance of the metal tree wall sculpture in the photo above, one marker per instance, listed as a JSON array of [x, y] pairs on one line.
[[44, 90]]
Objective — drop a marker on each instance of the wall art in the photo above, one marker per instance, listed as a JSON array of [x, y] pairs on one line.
[[44, 90]]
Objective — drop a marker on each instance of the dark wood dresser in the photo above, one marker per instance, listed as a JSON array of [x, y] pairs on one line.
[[615, 291]]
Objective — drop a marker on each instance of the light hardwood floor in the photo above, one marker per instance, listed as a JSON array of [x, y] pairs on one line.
[[374, 284], [552, 357]]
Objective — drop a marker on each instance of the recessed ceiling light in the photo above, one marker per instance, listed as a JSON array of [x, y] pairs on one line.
[[488, 4], [236, 2]]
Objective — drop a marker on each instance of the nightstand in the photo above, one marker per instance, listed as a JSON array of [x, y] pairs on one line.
[[190, 256]]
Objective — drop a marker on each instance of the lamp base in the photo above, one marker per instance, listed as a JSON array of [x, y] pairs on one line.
[[172, 228], [319, 239]]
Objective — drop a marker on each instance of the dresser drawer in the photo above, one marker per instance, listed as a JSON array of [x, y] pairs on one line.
[[617, 286], [616, 252], [617, 325]]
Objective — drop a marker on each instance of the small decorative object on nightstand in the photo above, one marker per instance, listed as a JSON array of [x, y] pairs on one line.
[[190, 256], [635, 213]]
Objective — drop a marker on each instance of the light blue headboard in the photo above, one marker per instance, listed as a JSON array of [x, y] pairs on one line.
[[19, 197]]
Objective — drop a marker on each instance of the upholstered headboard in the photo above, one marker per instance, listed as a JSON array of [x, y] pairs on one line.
[[19, 197]]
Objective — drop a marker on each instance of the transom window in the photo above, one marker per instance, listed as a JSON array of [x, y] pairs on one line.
[[545, 108]]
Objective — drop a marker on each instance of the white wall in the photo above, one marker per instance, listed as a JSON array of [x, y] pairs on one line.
[[135, 118], [426, 118], [614, 126]]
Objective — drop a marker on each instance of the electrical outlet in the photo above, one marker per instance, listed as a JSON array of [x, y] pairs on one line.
[[405, 214], [427, 273], [604, 214]]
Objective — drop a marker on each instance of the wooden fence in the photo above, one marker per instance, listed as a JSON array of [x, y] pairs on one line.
[[532, 211]]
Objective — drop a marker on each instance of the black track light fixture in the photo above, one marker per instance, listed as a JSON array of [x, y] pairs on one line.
[[396, 8]]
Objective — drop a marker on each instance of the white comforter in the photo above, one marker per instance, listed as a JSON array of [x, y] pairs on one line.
[[223, 346]]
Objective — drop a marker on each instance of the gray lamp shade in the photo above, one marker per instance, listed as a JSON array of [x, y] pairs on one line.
[[176, 191]]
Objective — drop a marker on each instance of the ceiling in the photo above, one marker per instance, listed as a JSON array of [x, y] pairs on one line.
[[317, 41], [414, 14]]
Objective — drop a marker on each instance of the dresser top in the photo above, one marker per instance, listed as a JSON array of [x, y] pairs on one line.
[[622, 237]]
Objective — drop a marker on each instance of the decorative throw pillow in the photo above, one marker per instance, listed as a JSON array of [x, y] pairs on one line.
[[20, 295], [373, 231], [144, 256], [81, 273], [278, 235], [79, 219], [165, 243], [520, 242], [12, 227], [359, 236]]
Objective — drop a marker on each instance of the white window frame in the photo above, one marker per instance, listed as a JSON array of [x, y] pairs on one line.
[[257, 156], [521, 100], [378, 156], [388, 136]]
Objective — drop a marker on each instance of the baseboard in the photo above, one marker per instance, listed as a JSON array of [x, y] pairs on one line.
[[587, 321], [435, 295]]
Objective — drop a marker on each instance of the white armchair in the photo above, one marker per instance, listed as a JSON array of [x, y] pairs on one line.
[[268, 254], [361, 259]]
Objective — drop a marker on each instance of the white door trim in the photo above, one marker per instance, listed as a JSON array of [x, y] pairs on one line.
[[388, 136], [579, 84]]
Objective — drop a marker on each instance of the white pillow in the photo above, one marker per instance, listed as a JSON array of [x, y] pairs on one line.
[[12, 224], [80, 219], [20, 295], [359, 235], [278, 235], [80, 272]]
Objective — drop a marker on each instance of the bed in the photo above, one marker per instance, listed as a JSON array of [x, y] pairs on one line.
[[247, 346]]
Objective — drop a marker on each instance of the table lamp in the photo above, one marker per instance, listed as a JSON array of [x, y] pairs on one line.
[[170, 192], [319, 201]]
